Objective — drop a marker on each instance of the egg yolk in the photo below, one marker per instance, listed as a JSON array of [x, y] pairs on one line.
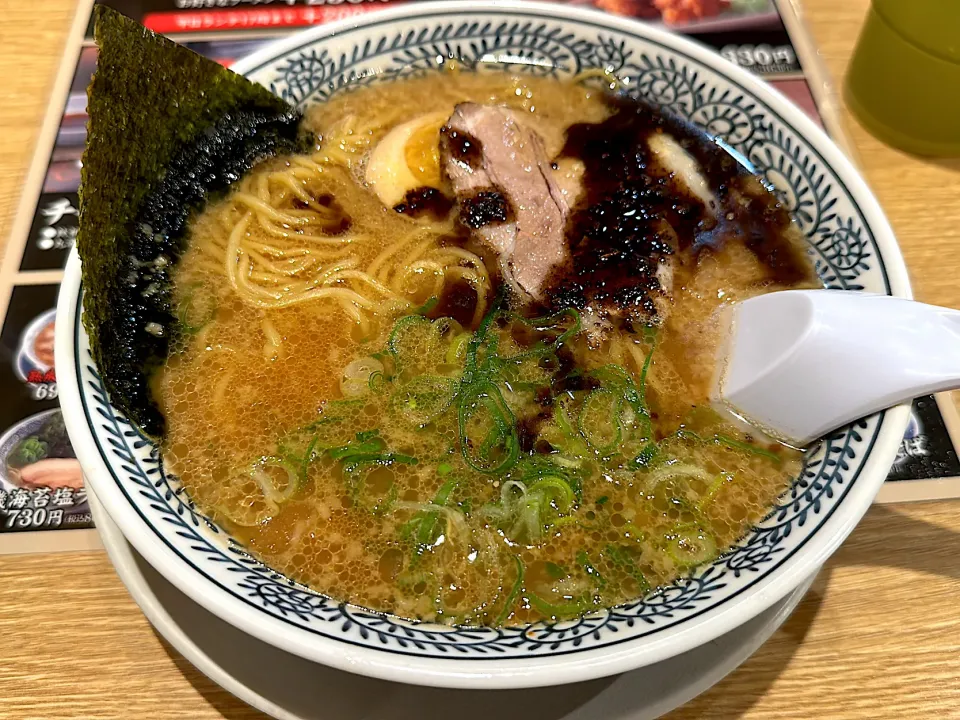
[[422, 153]]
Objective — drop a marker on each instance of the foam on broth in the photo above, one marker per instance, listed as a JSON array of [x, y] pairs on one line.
[[255, 387]]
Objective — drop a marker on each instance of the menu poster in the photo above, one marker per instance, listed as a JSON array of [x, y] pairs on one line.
[[41, 484], [926, 466], [41, 487]]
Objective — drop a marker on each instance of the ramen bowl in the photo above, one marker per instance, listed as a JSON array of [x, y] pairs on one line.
[[848, 238]]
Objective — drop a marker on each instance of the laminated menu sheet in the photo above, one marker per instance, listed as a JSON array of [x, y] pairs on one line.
[[41, 486]]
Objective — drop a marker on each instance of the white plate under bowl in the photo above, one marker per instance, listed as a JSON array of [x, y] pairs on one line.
[[288, 687], [848, 238]]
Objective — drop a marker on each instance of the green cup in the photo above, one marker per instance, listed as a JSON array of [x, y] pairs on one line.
[[904, 78]]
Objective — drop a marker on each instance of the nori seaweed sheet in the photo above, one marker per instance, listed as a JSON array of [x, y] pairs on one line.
[[168, 129]]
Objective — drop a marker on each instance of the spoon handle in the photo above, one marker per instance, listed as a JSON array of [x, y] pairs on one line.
[[800, 363]]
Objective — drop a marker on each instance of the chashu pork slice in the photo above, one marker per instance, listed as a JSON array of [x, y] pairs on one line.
[[506, 192]]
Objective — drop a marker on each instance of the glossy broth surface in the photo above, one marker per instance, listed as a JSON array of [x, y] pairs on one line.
[[427, 458]]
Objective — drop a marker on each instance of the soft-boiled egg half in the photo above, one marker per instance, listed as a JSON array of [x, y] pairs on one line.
[[407, 158]]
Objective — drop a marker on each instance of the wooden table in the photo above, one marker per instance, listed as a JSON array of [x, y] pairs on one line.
[[878, 635]]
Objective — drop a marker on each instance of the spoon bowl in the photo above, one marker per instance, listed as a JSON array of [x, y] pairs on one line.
[[798, 364]]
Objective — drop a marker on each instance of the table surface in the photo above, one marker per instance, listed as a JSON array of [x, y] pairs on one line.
[[877, 636]]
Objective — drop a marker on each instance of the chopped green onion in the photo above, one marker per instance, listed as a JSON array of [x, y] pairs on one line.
[[635, 532], [443, 494], [645, 457], [273, 495], [366, 442], [499, 449], [426, 522], [308, 458], [616, 379], [354, 463], [612, 376], [429, 305], [747, 447], [404, 329], [472, 361], [584, 561], [599, 421], [718, 482], [423, 399], [555, 571], [535, 467], [514, 592], [355, 380], [411, 577], [622, 558], [563, 419], [457, 350], [412, 340], [690, 545], [529, 525], [187, 312], [560, 489], [731, 443], [557, 610]]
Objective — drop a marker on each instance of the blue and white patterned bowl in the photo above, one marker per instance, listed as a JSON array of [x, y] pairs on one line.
[[849, 238]]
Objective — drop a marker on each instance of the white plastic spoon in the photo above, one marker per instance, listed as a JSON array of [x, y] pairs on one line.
[[800, 363]]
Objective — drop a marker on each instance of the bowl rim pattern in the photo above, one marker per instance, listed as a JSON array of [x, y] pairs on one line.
[[523, 668]]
